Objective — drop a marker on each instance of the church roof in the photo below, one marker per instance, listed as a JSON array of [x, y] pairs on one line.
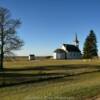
[[71, 48], [59, 50]]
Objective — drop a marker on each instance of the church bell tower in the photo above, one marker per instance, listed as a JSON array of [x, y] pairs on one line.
[[76, 41]]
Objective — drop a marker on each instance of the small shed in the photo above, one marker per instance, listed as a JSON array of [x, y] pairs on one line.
[[59, 54], [31, 57]]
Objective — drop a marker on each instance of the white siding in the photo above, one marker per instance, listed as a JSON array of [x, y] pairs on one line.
[[59, 56], [54, 55], [73, 55]]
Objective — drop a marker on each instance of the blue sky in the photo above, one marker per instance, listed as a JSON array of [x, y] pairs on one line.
[[46, 24]]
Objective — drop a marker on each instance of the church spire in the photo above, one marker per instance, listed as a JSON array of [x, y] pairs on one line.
[[76, 41]]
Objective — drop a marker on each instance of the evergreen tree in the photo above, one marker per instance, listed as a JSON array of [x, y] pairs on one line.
[[90, 46]]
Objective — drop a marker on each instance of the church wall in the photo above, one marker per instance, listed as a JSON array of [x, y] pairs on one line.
[[59, 56], [73, 55]]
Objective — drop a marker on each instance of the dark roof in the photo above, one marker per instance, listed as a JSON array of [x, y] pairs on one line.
[[71, 48], [31, 55], [59, 50]]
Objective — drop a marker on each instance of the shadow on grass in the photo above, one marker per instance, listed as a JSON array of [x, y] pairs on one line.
[[53, 67], [11, 76], [11, 79]]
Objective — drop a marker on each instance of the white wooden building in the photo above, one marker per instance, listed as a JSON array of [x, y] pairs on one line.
[[68, 51]]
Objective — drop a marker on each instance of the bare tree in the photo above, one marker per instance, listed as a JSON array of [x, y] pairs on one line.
[[9, 41]]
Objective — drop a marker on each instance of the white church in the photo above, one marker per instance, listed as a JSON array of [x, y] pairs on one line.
[[68, 51]]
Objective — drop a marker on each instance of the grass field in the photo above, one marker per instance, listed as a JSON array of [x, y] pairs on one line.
[[50, 80]]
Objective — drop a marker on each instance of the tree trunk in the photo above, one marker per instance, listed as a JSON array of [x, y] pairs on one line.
[[2, 47]]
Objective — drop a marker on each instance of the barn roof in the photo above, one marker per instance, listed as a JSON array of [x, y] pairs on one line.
[[59, 50], [71, 48]]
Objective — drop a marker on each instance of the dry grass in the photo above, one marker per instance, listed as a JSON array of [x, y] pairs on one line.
[[36, 63], [78, 80]]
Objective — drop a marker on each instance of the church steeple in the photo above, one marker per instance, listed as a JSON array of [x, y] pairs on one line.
[[76, 41]]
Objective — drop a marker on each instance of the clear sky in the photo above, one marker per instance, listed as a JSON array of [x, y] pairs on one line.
[[46, 24]]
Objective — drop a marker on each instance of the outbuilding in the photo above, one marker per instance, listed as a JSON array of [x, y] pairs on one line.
[[31, 57]]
